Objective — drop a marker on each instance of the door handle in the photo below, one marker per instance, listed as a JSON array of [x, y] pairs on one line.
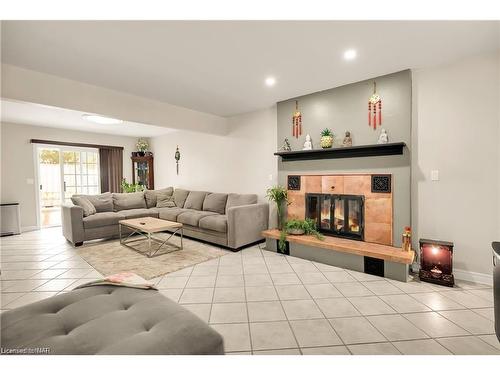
[[64, 186], [40, 186]]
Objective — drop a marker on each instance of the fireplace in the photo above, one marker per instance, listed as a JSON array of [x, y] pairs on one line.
[[339, 215]]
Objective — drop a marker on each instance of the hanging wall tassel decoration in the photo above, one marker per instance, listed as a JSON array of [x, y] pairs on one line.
[[297, 121], [374, 109], [177, 158]]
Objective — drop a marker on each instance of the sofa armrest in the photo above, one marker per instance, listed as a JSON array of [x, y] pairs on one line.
[[72, 223], [245, 224]]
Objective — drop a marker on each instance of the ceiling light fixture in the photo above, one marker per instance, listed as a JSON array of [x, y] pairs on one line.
[[270, 81], [350, 54], [102, 120]]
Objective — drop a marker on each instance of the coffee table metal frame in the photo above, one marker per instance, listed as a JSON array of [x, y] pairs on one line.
[[150, 238]]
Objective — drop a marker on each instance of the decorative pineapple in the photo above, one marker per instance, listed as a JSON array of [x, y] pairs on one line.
[[326, 138]]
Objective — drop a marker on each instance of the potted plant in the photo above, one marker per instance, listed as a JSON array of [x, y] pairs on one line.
[[142, 146], [279, 195], [326, 138], [131, 188], [298, 227]]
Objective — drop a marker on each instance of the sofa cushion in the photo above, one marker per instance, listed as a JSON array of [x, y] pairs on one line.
[[109, 320], [180, 196], [139, 212], [102, 219], [102, 202], [152, 195], [195, 200], [193, 217], [240, 200], [170, 213], [215, 202], [164, 200], [217, 223], [85, 204], [128, 201]]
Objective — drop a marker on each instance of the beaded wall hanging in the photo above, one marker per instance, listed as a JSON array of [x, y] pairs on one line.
[[374, 109], [297, 121]]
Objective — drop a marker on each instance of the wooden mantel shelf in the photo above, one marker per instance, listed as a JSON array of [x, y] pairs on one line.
[[344, 152], [388, 253]]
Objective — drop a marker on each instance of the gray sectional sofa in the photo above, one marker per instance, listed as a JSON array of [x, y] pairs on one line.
[[230, 220]]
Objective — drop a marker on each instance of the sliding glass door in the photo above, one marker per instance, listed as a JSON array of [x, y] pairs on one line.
[[80, 173], [63, 172], [49, 185]]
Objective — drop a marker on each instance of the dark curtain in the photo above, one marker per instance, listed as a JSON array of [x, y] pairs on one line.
[[111, 167]]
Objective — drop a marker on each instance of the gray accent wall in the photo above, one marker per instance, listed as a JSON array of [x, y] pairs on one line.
[[346, 108]]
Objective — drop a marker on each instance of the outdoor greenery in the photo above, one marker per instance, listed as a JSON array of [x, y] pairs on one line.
[[52, 157], [307, 225], [131, 188], [279, 195]]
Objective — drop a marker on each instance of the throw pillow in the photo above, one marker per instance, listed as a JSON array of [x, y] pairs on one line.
[[164, 200], [128, 201], [180, 196], [102, 202], [195, 200], [88, 208], [215, 202], [151, 195]]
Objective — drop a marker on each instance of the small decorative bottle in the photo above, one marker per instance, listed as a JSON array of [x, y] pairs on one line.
[[406, 242]]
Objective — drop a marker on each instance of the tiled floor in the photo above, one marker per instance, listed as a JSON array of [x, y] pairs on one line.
[[266, 303]]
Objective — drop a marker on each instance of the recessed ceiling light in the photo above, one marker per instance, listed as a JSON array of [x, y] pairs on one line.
[[270, 81], [102, 120], [350, 54]]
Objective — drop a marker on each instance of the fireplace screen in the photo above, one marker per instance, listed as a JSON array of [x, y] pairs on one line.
[[337, 215]]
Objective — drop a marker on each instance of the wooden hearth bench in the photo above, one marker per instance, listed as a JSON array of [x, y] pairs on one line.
[[371, 258]]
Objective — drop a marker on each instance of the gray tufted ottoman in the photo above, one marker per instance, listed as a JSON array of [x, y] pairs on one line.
[[108, 320]]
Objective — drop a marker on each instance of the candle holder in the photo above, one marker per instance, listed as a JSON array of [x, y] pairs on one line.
[[436, 262]]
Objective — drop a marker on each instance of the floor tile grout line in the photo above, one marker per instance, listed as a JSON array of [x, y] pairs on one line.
[[213, 293], [246, 307], [361, 314], [281, 304], [324, 315]]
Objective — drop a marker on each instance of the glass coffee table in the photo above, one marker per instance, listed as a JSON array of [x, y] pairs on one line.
[[146, 227]]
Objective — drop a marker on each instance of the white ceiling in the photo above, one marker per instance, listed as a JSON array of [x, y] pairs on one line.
[[220, 66], [53, 117]]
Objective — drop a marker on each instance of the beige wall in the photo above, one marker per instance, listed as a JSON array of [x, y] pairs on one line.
[[241, 161], [17, 164], [457, 131]]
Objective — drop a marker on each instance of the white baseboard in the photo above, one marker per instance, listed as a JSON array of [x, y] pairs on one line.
[[29, 229], [475, 277]]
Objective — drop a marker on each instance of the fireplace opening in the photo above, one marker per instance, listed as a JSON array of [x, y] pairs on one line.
[[338, 215]]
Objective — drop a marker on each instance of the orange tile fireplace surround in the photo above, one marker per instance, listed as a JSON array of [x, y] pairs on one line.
[[378, 208]]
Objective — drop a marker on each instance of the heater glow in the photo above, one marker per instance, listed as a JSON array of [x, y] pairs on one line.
[[434, 250]]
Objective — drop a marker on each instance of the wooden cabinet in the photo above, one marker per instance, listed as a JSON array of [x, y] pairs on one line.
[[143, 171]]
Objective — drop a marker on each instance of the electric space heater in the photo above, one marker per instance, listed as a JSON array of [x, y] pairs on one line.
[[10, 222]]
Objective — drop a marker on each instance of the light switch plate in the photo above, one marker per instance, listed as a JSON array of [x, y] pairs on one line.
[[435, 175]]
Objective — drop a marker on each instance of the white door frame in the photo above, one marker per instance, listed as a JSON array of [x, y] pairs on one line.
[[36, 149]]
